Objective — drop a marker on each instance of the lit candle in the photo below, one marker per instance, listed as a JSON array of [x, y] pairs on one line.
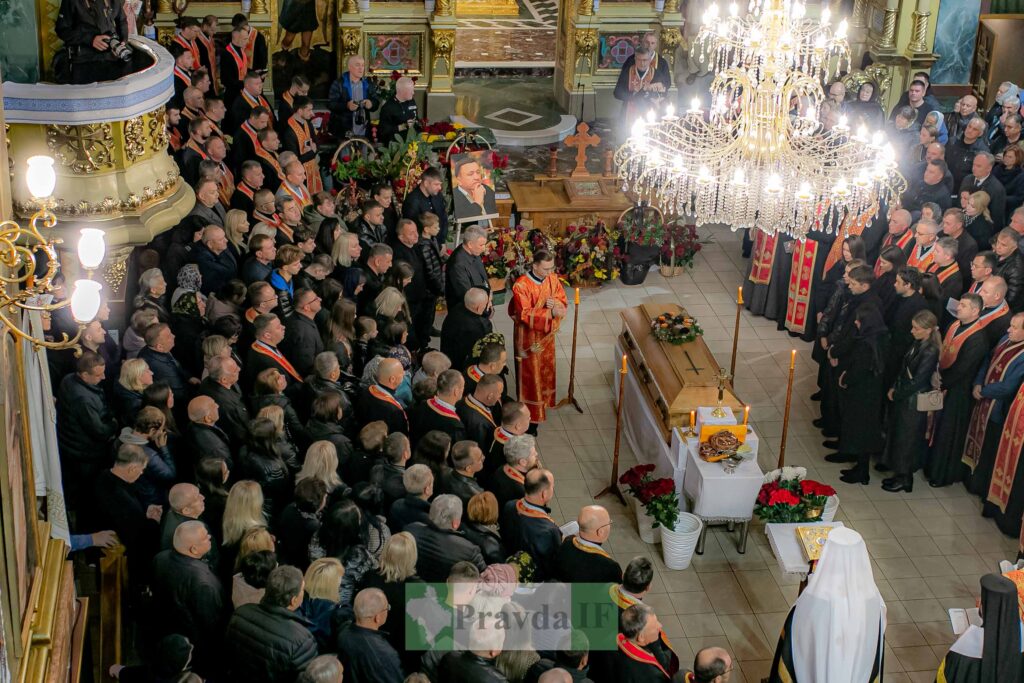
[[576, 300], [792, 359], [739, 295], [693, 419], [746, 414], [624, 363]]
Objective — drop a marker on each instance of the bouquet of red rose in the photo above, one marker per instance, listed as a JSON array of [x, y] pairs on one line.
[[635, 479], [658, 496], [814, 493]]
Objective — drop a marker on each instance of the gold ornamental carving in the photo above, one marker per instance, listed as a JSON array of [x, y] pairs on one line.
[[586, 41], [350, 40], [443, 8], [888, 39], [670, 41], [349, 7], [83, 149], [444, 44], [134, 139], [108, 205], [671, 7], [157, 131], [586, 8], [260, 7], [164, 6], [164, 35], [878, 75], [919, 33], [115, 270]]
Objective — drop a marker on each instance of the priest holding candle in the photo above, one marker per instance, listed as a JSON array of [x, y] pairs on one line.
[[537, 308]]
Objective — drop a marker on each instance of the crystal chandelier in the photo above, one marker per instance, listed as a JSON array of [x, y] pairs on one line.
[[751, 159]]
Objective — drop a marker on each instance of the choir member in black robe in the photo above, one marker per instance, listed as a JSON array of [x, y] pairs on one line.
[[438, 412], [526, 523], [990, 652], [508, 482], [264, 353], [581, 557], [963, 351], [947, 272], [636, 581], [906, 444], [515, 420], [378, 402], [477, 411]]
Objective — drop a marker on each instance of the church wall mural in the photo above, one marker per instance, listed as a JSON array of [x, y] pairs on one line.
[[387, 52], [615, 48]]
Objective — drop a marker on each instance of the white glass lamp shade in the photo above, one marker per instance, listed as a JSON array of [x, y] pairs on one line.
[[91, 248], [85, 300], [41, 177]]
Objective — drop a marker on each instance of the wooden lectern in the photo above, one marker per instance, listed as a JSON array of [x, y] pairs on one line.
[[553, 201]]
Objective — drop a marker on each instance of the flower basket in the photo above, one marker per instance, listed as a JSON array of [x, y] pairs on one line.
[[678, 543], [498, 284], [644, 522], [588, 255], [786, 496], [670, 271]]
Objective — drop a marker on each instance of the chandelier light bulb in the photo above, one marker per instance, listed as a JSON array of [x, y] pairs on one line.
[[91, 248], [41, 178], [713, 11], [861, 180], [862, 132], [756, 36], [85, 300], [650, 116], [841, 189], [677, 164], [739, 178], [877, 138], [843, 122], [638, 128], [670, 111], [734, 10], [774, 185], [826, 16], [695, 104], [798, 11], [841, 31], [819, 42]]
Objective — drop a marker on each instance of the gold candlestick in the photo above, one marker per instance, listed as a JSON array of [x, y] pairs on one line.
[[723, 377], [691, 431]]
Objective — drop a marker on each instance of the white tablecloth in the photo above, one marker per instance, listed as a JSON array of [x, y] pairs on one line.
[[717, 495], [640, 427], [786, 547]]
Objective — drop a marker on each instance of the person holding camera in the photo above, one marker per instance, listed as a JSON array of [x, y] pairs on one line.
[[352, 99], [94, 34]]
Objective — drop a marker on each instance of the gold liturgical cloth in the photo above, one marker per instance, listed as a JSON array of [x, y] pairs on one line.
[[674, 379]]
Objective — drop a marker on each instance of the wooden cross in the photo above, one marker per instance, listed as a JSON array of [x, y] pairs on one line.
[[581, 141]]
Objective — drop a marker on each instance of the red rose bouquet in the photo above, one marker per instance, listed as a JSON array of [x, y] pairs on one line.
[[814, 493], [659, 497], [792, 499]]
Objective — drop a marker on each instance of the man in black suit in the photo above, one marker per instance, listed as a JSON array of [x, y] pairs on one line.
[[466, 269], [378, 263], [526, 523], [388, 473], [120, 508], [473, 198], [508, 483], [467, 460], [440, 544], [302, 340], [982, 180], [221, 384], [264, 353], [438, 412], [414, 506], [908, 303], [515, 420], [243, 198], [378, 402], [947, 272], [966, 247], [203, 436], [464, 326], [427, 198], [477, 410], [581, 557]]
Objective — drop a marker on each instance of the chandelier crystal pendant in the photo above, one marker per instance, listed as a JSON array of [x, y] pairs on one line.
[[759, 155]]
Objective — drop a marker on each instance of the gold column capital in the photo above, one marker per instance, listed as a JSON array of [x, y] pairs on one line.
[[919, 33], [260, 7], [671, 7], [888, 39], [670, 40], [349, 7], [443, 8], [585, 8]]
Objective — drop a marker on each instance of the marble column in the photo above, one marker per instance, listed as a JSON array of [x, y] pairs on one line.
[[955, 31]]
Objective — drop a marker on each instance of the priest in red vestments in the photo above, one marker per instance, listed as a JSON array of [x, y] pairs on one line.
[[537, 307]]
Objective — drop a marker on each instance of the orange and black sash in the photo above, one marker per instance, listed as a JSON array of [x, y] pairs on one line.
[[211, 54], [943, 273], [1003, 357], [513, 474], [241, 61], [258, 101], [638, 654], [382, 395], [474, 404], [183, 75], [442, 410], [267, 350], [191, 46]]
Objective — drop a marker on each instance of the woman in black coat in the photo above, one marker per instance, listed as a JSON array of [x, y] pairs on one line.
[[480, 525], [260, 461], [905, 445], [268, 390], [860, 392]]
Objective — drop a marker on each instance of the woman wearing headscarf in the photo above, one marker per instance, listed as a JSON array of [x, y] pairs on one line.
[[990, 652], [936, 119], [189, 280], [860, 392], [836, 630], [865, 108], [188, 323]]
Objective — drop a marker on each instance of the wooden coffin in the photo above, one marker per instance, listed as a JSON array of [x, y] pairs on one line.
[[674, 379]]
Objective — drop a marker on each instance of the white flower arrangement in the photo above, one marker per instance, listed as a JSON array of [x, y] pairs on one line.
[[786, 474]]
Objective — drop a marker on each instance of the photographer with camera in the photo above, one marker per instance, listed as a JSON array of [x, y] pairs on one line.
[[95, 48], [352, 99]]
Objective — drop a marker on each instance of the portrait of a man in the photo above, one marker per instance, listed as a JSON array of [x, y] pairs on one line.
[[473, 187]]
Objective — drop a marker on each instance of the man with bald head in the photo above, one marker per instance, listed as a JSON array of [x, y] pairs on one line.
[[186, 505], [527, 525], [712, 665], [188, 595], [582, 558], [377, 401], [363, 650], [398, 115], [294, 184], [204, 436], [995, 311], [464, 326]]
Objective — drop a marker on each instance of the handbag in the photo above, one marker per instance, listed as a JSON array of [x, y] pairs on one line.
[[929, 401]]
